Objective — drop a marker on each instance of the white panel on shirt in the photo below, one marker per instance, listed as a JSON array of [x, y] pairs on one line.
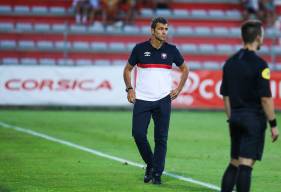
[[153, 84]]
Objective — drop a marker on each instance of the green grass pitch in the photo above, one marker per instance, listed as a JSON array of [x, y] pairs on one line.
[[198, 147]]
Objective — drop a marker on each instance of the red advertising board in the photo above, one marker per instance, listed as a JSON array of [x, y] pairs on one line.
[[202, 90]]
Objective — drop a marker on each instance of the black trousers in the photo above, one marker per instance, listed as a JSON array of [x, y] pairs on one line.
[[160, 112], [247, 131]]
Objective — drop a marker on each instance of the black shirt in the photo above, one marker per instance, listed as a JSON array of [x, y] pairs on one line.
[[245, 80]]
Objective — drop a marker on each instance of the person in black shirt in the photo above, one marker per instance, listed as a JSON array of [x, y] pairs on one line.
[[248, 105]]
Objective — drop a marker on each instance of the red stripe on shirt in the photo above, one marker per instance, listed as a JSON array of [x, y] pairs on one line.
[[163, 66]]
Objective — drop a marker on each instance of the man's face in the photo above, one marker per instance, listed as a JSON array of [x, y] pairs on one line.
[[160, 32]]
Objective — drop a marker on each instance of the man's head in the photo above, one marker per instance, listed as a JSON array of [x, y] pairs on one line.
[[252, 32], [159, 28]]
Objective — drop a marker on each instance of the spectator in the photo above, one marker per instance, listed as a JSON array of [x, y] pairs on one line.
[[127, 9], [110, 8], [162, 4], [251, 9], [94, 8], [86, 10], [268, 15], [78, 6]]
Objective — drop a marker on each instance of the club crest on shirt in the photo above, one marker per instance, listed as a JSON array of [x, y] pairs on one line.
[[164, 55], [147, 54]]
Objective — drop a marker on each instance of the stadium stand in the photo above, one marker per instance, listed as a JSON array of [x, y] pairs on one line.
[[44, 33]]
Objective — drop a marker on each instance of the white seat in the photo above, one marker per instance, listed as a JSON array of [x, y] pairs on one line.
[[265, 49], [82, 62], [194, 65], [207, 48], [225, 48], [102, 62], [97, 27], [189, 48], [277, 66], [146, 12], [78, 28], [6, 26], [8, 44], [119, 62], [163, 12], [24, 26], [171, 30], [113, 29], [237, 47], [145, 29], [21, 9], [277, 49], [59, 27], [220, 31], [131, 29], [233, 14], [269, 32], [199, 13], [116, 46], [65, 62], [99, 46], [180, 13], [26, 44], [42, 27], [5, 9], [235, 31], [202, 30], [45, 44], [216, 13], [80, 45], [57, 10], [184, 30], [130, 46], [212, 65], [47, 61], [62, 45], [28, 61], [10, 61], [39, 10]]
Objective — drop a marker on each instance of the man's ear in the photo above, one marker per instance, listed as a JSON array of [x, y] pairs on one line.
[[152, 31]]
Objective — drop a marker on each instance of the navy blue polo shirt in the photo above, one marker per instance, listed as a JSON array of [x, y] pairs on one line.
[[153, 79]]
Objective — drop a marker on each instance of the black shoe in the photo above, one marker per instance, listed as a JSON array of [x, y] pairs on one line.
[[156, 179], [148, 174]]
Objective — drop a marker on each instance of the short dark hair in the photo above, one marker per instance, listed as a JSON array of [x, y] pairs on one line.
[[250, 30], [158, 20]]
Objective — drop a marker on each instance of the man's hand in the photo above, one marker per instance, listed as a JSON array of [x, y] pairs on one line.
[[174, 93], [274, 134], [131, 96]]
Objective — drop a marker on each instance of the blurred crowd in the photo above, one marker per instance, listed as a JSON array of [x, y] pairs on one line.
[[113, 11], [263, 10]]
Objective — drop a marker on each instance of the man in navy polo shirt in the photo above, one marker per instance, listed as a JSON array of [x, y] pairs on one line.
[[152, 94]]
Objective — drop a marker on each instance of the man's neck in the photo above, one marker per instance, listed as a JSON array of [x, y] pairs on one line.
[[156, 43], [251, 47]]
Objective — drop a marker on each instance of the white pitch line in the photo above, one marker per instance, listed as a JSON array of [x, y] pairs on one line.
[[101, 154]]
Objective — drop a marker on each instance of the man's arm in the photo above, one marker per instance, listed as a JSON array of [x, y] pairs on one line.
[[227, 106], [127, 79], [268, 107], [184, 74]]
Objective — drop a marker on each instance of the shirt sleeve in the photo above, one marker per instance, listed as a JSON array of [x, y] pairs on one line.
[[263, 81], [224, 87], [178, 58], [133, 59]]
